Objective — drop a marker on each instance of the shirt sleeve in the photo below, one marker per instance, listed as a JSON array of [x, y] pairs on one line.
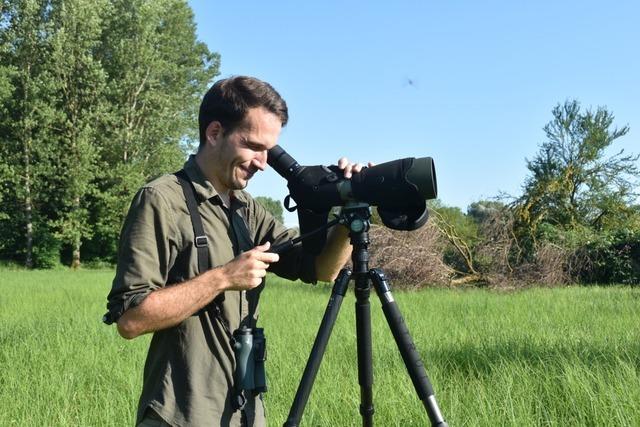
[[147, 250], [294, 264]]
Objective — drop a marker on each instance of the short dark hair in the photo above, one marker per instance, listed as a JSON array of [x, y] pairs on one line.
[[229, 100]]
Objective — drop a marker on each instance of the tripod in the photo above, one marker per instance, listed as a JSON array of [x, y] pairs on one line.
[[357, 218]]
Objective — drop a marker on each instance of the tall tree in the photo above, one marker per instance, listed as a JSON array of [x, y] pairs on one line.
[[26, 91], [157, 73], [80, 82], [96, 97], [573, 182]]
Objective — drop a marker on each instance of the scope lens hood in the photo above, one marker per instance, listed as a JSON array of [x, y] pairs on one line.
[[407, 219]]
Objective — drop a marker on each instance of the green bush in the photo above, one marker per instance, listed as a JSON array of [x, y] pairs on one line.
[[612, 258], [46, 249]]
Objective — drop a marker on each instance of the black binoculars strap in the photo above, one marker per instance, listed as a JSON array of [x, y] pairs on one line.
[[201, 243], [244, 242], [200, 238]]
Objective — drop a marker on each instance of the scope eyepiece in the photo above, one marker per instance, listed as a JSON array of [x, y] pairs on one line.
[[283, 163]]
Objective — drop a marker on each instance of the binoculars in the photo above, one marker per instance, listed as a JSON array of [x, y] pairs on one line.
[[250, 350]]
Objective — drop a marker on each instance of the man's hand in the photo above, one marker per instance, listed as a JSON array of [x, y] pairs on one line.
[[350, 168], [247, 270]]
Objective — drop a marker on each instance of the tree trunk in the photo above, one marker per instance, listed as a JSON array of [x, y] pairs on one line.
[[28, 204], [75, 258], [77, 240], [28, 214]]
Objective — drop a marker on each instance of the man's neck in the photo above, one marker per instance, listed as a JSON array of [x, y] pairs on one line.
[[223, 192]]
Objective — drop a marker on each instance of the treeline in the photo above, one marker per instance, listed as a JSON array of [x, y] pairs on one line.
[[96, 98], [99, 96], [576, 221]]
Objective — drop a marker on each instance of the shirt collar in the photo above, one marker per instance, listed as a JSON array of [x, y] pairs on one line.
[[205, 189]]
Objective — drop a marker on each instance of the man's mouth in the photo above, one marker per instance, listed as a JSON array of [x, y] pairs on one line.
[[248, 173]]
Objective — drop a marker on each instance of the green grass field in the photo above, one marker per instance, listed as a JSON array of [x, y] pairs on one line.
[[561, 357]]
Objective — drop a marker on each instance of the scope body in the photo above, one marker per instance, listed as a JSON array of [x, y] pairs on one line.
[[399, 189], [395, 185]]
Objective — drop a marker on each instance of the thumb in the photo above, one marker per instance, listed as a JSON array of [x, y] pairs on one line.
[[264, 247]]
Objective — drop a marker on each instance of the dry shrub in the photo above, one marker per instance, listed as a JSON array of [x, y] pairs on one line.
[[495, 253], [549, 266], [415, 259], [503, 264], [410, 259], [498, 255]]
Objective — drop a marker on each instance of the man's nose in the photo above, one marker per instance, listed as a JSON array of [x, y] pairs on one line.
[[260, 160]]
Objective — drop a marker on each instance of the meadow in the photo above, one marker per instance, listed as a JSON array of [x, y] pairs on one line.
[[535, 357]]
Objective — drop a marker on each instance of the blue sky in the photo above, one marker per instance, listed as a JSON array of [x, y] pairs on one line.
[[468, 83]]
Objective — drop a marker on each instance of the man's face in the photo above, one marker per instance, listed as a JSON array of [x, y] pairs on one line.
[[243, 152]]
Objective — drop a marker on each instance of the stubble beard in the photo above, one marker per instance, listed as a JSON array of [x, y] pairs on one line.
[[238, 181]]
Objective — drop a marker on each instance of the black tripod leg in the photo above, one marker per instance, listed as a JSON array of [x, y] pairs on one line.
[[365, 363], [319, 345], [407, 348]]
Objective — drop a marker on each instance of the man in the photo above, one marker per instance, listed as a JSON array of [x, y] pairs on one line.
[[188, 375]]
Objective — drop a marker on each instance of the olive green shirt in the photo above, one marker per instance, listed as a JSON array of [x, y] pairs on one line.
[[188, 374]]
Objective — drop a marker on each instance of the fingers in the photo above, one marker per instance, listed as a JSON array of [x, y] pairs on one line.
[[255, 264], [350, 168], [357, 167], [343, 162], [256, 276], [251, 279], [263, 247], [346, 166], [262, 254], [248, 269]]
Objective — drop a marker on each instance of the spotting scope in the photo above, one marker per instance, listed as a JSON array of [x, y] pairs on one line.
[[398, 188]]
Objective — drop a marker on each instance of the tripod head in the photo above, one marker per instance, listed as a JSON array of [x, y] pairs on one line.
[[355, 216]]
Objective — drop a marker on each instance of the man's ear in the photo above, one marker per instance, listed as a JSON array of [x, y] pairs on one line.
[[214, 132]]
